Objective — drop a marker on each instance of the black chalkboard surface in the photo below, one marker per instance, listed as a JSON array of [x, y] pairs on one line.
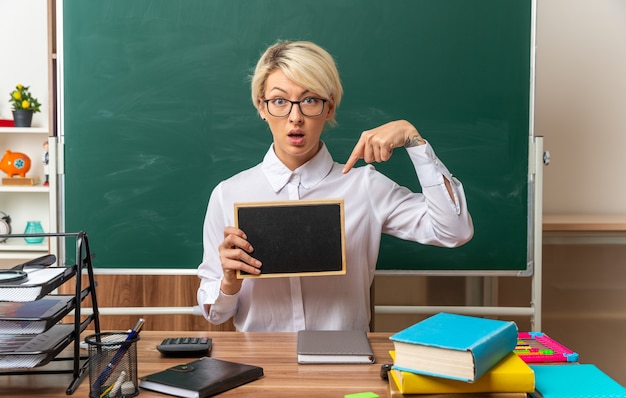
[[157, 111], [301, 237]]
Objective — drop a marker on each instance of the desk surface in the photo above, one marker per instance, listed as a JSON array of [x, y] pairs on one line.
[[274, 352]]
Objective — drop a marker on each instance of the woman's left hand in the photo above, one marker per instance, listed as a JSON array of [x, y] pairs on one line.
[[377, 144]]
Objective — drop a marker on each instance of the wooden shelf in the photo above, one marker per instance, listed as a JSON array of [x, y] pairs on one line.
[[584, 223]]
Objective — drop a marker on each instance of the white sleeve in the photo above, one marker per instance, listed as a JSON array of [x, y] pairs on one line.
[[450, 218], [222, 307]]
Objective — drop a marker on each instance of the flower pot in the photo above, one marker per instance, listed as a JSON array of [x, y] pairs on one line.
[[23, 117]]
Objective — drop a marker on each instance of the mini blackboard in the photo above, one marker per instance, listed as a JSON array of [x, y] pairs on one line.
[[294, 238]]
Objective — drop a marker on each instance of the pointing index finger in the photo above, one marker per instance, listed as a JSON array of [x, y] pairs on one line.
[[354, 157]]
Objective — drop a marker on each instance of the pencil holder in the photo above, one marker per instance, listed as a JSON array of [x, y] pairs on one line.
[[112, 365]]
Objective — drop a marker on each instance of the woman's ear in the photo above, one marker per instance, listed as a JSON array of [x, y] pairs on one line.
[[261, 109], [331, 109]]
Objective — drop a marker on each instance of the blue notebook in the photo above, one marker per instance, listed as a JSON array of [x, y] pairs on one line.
[[575, 380], [452, 346]]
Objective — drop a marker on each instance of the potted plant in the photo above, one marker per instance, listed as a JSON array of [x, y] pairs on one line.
[[24, 105]]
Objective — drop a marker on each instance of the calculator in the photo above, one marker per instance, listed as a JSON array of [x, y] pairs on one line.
[[185, 346]]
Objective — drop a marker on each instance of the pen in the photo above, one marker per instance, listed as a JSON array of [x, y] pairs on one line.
[[117, 357]]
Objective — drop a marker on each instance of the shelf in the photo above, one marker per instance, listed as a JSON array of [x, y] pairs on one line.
[[23, 246], [584, 223], [28, 202], [23, 130], [25, 188]]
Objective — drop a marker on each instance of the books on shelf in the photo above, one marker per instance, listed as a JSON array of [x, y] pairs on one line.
[[453, 346], [575, 380], [334, 346], [511, 374], [201, 378], [40, 282], [33, 316]]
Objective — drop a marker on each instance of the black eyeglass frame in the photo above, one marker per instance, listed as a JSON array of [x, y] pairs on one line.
[[324, 101]]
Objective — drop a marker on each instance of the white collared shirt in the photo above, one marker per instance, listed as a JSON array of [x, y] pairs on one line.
[[373, 204]]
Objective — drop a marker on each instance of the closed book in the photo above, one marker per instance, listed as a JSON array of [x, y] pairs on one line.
[[575, 380], [453, 346], [511, 374], [204, 377], [334, 346], [393, 391]]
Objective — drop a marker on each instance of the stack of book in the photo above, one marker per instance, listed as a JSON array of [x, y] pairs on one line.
[[459, 354]]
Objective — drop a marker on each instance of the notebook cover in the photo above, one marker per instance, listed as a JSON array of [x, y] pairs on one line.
[[488, 340], [334, 346], [511, 374], [574, 381], [201, 378]]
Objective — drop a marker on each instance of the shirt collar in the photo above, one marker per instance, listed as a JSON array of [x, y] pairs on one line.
[[311, 173]]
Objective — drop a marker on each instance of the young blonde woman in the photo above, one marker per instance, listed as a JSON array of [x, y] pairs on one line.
[[296, 90]]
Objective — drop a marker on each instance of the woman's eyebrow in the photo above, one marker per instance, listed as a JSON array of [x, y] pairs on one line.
[[302, 94]]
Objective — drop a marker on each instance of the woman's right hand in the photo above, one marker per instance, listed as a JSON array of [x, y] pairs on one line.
[[235, 256]]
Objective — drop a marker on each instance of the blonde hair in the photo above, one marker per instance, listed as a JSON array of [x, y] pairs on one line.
[[305, 63]]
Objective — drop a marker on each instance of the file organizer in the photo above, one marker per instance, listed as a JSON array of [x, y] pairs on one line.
[[26, 354]]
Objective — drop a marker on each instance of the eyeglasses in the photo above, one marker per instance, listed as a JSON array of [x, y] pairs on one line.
[[310, 106]]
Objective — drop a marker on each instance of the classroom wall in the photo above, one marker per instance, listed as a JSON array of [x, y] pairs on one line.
[[24, 54], [580, 111], [581, 104]]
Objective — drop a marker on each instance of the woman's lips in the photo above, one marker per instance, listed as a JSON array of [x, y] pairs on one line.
[[296, 138]]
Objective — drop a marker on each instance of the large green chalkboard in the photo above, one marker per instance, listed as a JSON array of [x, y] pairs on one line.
[[157, 112]]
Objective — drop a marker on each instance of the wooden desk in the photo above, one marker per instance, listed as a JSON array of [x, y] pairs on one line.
[[274, 352]]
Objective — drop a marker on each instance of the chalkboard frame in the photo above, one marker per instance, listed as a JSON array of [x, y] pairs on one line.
[[460, 70], [295, 238]]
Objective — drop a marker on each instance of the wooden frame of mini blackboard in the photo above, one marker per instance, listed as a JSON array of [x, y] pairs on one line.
[[294, 238]]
